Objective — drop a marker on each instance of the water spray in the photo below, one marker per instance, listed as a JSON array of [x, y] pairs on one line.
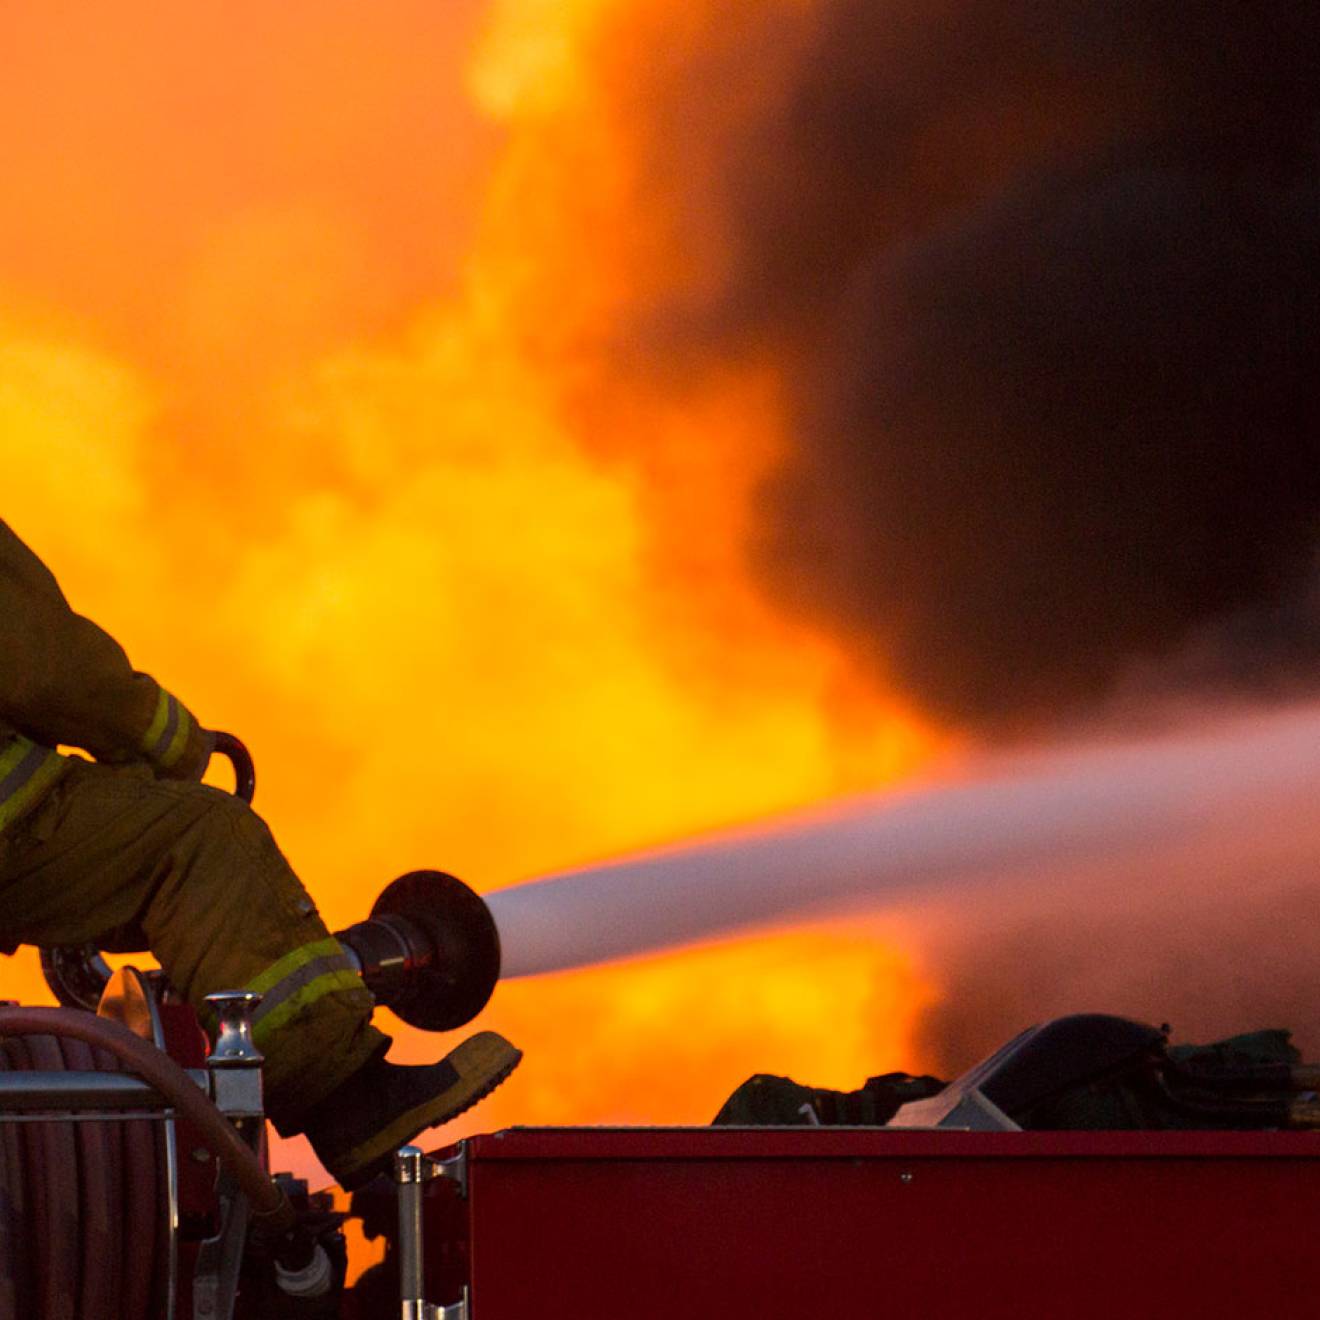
[[1045, 812], [433, 949]]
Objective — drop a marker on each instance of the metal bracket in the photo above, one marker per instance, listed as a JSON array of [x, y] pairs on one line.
[[458, 1311], [234, 1066], [235, 1063], [220, 1258], [455, 1169]]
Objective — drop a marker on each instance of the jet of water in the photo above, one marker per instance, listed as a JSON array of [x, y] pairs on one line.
[[1049, 813]]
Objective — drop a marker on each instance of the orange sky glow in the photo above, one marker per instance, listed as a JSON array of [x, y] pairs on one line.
[[303, 396]]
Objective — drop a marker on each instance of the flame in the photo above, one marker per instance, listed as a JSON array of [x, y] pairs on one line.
[[308, 393]]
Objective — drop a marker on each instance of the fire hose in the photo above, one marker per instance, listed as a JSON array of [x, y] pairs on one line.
[[89, 1200], [271, 1212], [85, 1206]]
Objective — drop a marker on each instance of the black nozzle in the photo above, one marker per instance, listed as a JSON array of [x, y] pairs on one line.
[[429, 950]]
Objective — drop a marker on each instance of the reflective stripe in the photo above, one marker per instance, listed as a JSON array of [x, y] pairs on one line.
[[180, 739], [329, 984], [167, 735], [290, 963], [290, 985], [152, 737], [26, 770], [298, 980]]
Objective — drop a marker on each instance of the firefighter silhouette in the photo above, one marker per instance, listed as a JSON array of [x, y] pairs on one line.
[[131, 852]]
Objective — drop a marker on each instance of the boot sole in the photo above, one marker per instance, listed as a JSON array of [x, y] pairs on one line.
[[376, 1156]]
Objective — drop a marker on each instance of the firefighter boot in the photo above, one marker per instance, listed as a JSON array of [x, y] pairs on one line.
[[357, 1128]]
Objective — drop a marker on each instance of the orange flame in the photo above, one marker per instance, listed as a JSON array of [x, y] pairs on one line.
[[303, 394]]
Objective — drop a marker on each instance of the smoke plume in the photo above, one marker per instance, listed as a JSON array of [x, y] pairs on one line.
[[1043, 281]]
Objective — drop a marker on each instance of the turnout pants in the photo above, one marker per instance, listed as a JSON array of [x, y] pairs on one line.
[[117, 857]]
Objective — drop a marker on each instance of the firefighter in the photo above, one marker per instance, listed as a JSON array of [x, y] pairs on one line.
[[131, 852]]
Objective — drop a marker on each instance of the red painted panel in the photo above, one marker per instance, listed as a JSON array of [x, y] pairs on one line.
[[641, 1224]]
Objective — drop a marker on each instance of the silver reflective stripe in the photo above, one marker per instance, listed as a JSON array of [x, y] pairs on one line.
[[26, 770], [162, 744], [32, 762], [289, 986]]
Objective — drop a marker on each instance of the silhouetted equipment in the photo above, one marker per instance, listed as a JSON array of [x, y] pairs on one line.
[[429, 950], [245, 770]]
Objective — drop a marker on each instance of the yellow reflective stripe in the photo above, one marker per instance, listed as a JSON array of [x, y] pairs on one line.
[[291, 962], [291, 984], [12, 755], [166, 738], [180, 740], [158, 722], [27, 770], [330, 983]]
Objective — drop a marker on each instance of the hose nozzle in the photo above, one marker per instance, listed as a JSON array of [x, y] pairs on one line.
[[429, 951]]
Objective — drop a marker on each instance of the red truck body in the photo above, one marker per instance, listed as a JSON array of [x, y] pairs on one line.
[[780, 1223]]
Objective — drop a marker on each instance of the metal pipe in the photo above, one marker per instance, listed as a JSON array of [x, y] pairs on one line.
[[410, 1172], [77, 1092]]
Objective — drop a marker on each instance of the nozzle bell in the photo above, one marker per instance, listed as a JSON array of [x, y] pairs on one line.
[[429, 951]]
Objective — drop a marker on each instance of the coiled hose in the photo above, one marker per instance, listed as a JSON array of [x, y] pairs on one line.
[[82, 1206], [82, 1214]]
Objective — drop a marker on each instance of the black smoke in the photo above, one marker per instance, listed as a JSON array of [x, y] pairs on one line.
[[1244, 961], [1046, 279]]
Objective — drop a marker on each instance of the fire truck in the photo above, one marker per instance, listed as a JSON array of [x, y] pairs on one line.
[[135, 1179]]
